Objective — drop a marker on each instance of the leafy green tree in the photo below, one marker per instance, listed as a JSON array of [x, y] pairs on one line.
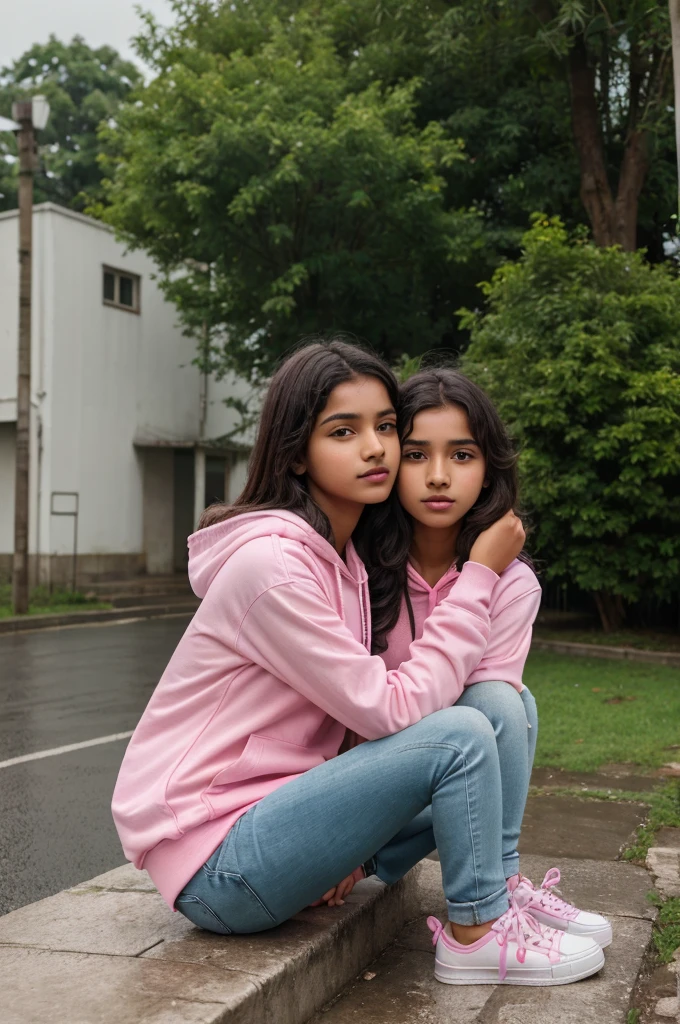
[[84, 87], [563, 105], [278, 197], [566, 106], [580, 348], [292, 148]]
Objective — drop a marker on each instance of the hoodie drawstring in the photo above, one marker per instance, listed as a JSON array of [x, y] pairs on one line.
[[362, 605], [338, 580], [364, 617]]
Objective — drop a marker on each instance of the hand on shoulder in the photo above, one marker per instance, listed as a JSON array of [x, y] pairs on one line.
[[498, 545]]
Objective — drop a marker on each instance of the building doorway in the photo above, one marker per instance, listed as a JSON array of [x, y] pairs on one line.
[[183, 504], [215, 468]]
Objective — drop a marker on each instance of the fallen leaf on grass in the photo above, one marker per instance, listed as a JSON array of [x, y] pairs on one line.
[[618, 700], [579, 741], [597, 689]]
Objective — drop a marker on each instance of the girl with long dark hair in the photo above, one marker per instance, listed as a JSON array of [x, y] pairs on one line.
[[457, 476], [232, 793]]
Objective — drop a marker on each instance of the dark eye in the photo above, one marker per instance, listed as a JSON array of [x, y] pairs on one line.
[[385, 427], [341, 432], [463, 456], [414, 456]]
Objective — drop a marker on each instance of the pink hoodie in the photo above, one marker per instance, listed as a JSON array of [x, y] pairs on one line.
[[514, 606], [270, 672]]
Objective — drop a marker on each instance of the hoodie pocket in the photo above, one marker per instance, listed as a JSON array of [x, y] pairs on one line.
[[244, 767], [267, 755]]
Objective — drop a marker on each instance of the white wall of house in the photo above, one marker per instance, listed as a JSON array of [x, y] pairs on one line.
[[9, 327], [9, 318], [107, 384]]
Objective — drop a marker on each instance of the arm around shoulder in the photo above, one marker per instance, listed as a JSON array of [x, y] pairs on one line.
[[513, 611], [292, 631]]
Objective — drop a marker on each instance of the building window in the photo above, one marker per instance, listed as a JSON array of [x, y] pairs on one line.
[[121, 290]]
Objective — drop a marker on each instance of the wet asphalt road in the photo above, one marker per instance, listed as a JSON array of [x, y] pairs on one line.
[[60, 687]]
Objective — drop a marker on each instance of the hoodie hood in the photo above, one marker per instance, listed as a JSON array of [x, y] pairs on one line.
[[210, 548], [417, 583]]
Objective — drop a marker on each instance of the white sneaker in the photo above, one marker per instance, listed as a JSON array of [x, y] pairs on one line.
[[517, 951], [553, 912]]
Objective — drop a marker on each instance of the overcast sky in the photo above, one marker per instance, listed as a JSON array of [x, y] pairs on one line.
[[33, 21]]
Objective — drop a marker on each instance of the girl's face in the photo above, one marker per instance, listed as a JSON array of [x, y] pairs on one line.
[[442, 468], [353, 453]]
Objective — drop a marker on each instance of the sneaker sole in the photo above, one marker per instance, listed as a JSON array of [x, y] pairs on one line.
[[555, 974]]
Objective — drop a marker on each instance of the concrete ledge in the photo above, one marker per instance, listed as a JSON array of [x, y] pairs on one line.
[[602, 651], [110, 951], [664, 864], [28, 623]]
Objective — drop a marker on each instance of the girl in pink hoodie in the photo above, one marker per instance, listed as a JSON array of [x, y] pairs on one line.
[[458, 476], [232, 792]]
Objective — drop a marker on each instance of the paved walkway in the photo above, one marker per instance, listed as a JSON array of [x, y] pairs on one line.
[[583, 839]]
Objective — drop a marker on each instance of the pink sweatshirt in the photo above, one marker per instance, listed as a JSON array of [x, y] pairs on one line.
[[270, 672], [514, 606]]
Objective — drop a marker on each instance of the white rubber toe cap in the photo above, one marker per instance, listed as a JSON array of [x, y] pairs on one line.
[[591, 926]]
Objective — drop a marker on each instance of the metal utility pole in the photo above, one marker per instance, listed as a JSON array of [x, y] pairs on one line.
[[29, 115], [23, 114], [674, 13]]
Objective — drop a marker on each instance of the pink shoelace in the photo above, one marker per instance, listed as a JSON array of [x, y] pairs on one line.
[[547, 899], [519, 926]]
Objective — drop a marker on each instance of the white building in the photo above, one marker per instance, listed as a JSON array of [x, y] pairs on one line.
[[122, 424]]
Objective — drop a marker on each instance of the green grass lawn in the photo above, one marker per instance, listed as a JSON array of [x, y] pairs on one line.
[[42, 602], [593, 711], [642, 639]]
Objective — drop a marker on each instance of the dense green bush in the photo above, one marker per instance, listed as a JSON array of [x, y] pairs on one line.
[[580, 348]]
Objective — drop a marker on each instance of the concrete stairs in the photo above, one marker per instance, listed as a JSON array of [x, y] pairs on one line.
[[109, 951], [141, 586], [138, 597]]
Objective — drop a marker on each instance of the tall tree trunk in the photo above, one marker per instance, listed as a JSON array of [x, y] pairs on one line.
[[613, 220], [634, 167], [674, 11], [596, 194], [612, 610]]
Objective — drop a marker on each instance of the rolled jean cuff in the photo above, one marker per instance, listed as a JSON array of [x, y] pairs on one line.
[[511, 865], [480, 911]]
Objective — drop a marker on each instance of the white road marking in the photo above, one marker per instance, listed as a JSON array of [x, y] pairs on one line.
[[39, 754]]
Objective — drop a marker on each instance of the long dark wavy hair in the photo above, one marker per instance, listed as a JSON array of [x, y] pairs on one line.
[[297, 394], [385, 533]]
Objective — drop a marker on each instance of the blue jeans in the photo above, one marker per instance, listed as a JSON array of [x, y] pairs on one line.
[[438, 782], [515, 724]]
